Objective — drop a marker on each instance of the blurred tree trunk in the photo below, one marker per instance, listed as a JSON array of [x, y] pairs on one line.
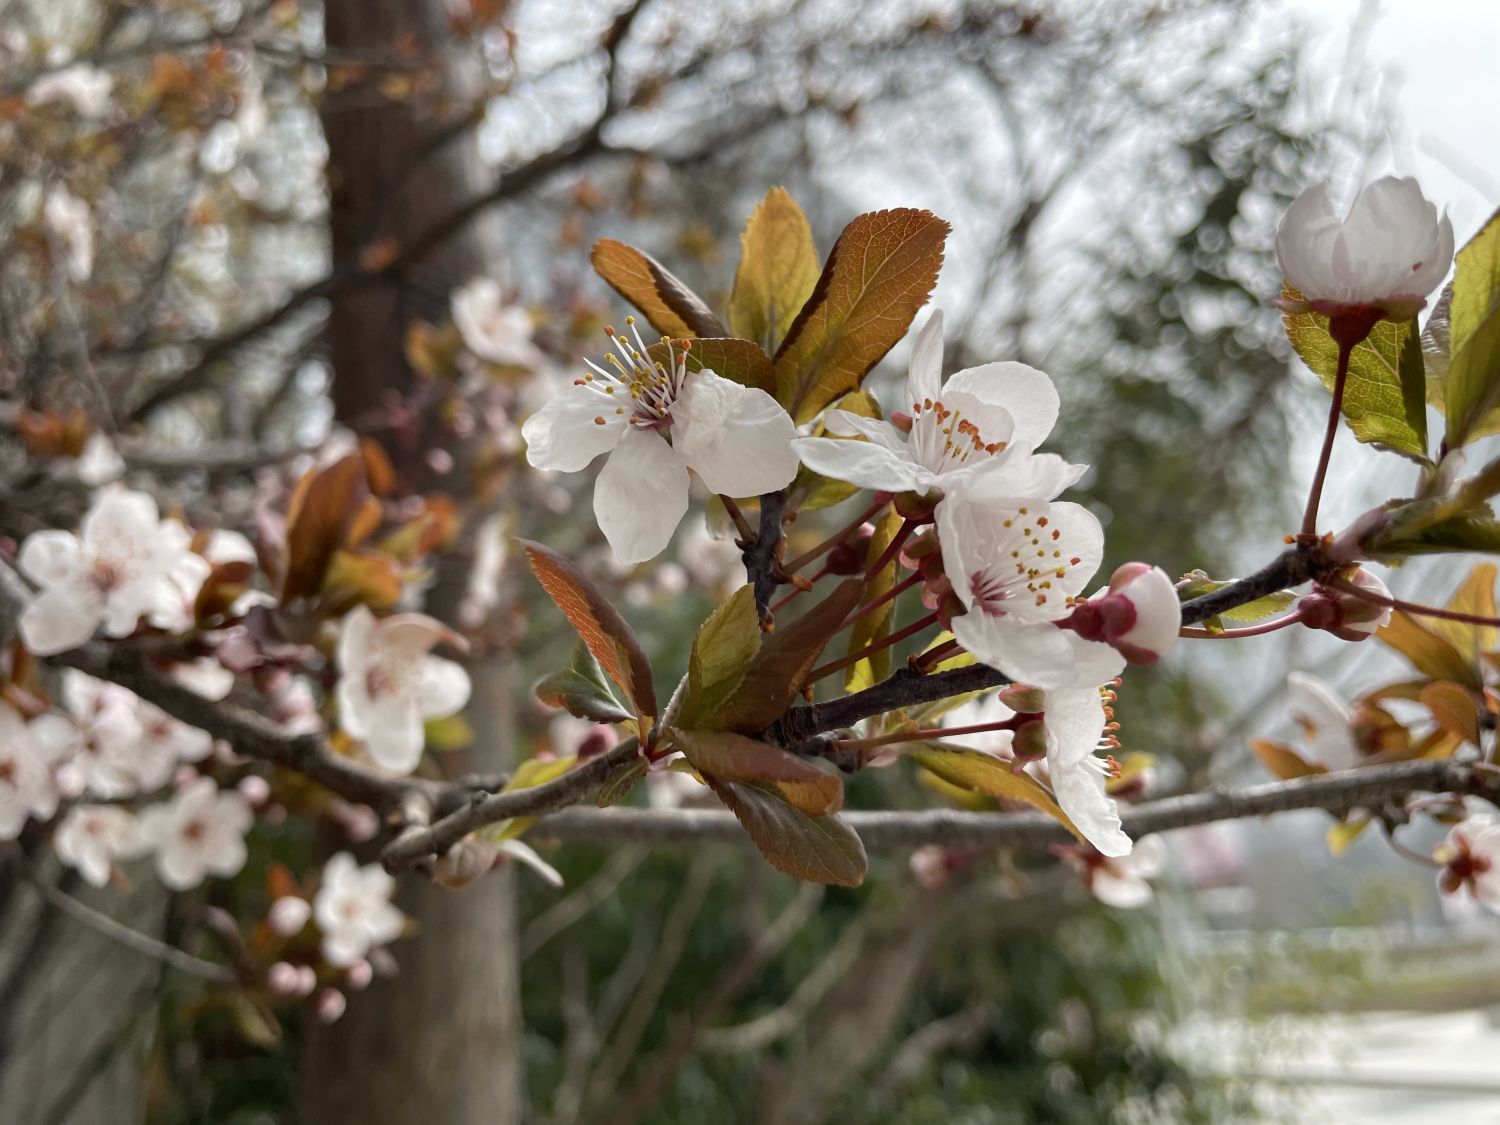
[[439, 1042]]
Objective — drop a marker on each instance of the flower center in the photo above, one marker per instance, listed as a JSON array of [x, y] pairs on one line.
[[1029, 561], [379, 681], [194, 831], [945, 439], [106, 575], [7, 771], [650, 386]]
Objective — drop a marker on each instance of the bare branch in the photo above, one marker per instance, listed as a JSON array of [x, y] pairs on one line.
[[132, 939], [1366, 787]]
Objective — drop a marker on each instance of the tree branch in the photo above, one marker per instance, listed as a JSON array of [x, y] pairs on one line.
[[1334, 792]]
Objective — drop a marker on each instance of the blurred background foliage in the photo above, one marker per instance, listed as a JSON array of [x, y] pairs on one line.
[[1113, 172]]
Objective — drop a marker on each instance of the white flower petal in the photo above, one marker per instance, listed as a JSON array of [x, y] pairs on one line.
[[641, 496], [1028, 394], [863, 463], [573, 429], [1123, 893], [924, 378], [846, 423], [1037, 653], [394, 738], [445, 687], [59, 619], [737, 439], [50, 558]]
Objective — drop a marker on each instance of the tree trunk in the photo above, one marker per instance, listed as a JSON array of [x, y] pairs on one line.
[[440, 1041]]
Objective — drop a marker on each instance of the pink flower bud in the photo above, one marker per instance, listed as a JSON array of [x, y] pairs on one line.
[[288, 915], [1345, 615], [307, 980], [468, 860], [1030, 741], [255, 789], [329, 1004], [282, 979], [359, 976], [1139, 613]]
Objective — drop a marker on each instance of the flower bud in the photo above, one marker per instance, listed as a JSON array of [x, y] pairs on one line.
[[1139, 614], [359, 976], [282, 978], [288, 915], [848, 557], [464, 862], [1345, 615], [329, 1004], [1030, 741], [1023, 698]]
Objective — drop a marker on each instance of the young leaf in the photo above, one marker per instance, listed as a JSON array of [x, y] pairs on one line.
[[983, 773], [1475, 530], [619, 784], [1282, 760], [1454, 709], [672, 308], [773, 679], [778, 270], [880, 272], [322, 509], [1199, 583], [1471, 387], [1476, 596], [1384, 398], [581, 690], [733, 757], [739, 361], [725, 644], [1345, 832], [603, 630], [1429, 653], [819, 849], [876, 625]]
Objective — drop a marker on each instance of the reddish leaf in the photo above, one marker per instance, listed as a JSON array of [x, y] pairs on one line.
[[603, 630], [774, 676], [672, 308], [879, 274], [819, 849], [739, 361], [733, 757], [322, 509], [777, 273]]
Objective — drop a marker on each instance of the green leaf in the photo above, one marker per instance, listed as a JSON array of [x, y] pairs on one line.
[[880, 272], [582, 690], [672, 308], [1384, 398], [773, 678], [725, 644], [876, 625], [739, 361], [820, 849], [1198, 583], [1471, 387], [777, 273], [1476, 530], [608, 637], [733, 757], [984, 773], [449, 733], [618, 785]]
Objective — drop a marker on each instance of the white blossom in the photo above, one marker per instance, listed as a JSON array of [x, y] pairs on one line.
[[354, 911], [492, 329], [1076, 721], [117, 569], [28, 752], [1015, 564], [71, 224], [1122, 881], [977, 421], [99, 462], [124, 745], [657, 422], [1388, 253], [1326, 721], [91, 837], [389, 683], [1471, 857], [86, 88], [199, 832]]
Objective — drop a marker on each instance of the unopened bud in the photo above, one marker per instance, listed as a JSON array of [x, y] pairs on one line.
[[466, 861], [329, 1004], [359, 976], [283, 979], [1139, 614], [288, 915], [1345, 615], [1023, 698], [848, 557], [1030, 741]]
